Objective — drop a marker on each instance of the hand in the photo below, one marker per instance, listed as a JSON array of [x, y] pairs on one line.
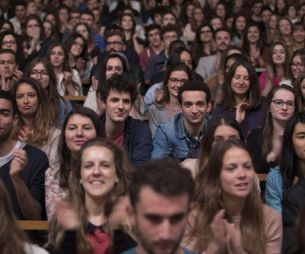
[[66, 215], [219, 230], [159, 94], [240, 112], [67, 75], [5, 84], [18, 163], [234, 237], [94, 82], [270, 73], [18, 74], [80, 63]]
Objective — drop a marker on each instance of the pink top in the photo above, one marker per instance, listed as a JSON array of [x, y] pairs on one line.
[[263, 78]]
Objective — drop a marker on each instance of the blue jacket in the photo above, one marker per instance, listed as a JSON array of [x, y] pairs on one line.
[[171, 140], [137, 140]]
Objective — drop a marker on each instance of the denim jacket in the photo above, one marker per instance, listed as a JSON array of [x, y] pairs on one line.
[[171, 140]]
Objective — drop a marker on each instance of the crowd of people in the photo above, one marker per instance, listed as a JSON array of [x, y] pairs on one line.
[[185, 102]]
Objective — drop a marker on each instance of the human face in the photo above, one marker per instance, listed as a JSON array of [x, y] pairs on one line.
[[216, 23], [20, 12], [198, 14], [154, 38], [299, 34], [237, 174], [266, 14], [221, 11], [160, 221], [97, 175], [113, 66], [273, 21], [32, 8], [224, 132], [285, 27], [63, 16], [6, 119], [79, 130], [47, 27], [206, 34], [292, 12], [241, 23], [115, 44], [240, 82], [92, 4], [127, 23], [82, 30], [51, 18], [88, 19], [175, 81], [168, 19], [74, 18], [253, 34], [26, 99], [194, 107], [57, 56], [298, 140], [118, 106], [297, 66], [278, 54], [257, 9], [284, 112], [77, 47], [280, 4], [7, 65], [33, 29], [186, 58], [222, 40], [189, 10], [9, 42], [168, 38], [41, 74]]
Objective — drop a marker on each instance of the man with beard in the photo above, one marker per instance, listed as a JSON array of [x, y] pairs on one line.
[[22, 167], [160, 193], [208, 65]]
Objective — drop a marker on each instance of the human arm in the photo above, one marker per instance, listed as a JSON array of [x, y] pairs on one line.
[[274, 189], [268, 81], [240, 112], [160, 144], [30, 207]]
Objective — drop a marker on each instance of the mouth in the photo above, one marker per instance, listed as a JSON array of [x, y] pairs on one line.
[[97, 182], [79, 142], [26, 107], [242, 186]]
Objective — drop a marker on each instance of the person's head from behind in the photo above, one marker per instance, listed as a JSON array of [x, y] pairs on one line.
[[293, 149], [8, 110], [8, 64], [118, 94], [160, 205], [101, 173], [194, 98]]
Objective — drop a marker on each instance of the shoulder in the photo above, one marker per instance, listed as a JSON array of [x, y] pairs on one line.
[[35, 153]]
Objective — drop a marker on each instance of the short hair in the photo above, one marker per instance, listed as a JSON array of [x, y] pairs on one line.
[[165, 176], [151, 27], [8, 96], [114, 30], [87, 12], [169, 28], [222, 29], [121, 83], [194, 85], [8, 51]]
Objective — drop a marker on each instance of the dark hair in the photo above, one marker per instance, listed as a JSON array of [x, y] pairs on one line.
[[285, 64], [222, 29], [246, 43], [66, 66], [8, 96], [298, 92], [254, 95], [27, 20], [158, 175], [65, 156], [169, 28], [114, 30], [151, 27], [299, 52], [70, 41], [194, 85], [289, 162], [120, 83], [8, 51]]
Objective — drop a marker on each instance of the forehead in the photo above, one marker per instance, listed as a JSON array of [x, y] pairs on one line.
[[114, 60], [5, 104], [193, 96], [79, 119], [118, 94], [299, 127], [222, 34], [153, 31], [8, 56], [114, 37]]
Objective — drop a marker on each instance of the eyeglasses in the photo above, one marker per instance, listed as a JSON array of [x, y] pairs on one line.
[[8, 43], [175, 81], [298, 65], [42, 73], [281, 103]]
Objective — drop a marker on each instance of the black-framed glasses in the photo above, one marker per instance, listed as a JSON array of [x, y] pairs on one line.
[[176, 81], [281, 103]]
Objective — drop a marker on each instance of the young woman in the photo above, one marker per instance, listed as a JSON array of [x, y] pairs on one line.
[[190, 28], [228, 215], [238, 29], [297, 64], [298, 35], [277, 70], [168, 106], [80, 125], [266, 142], [68, 80], [203, 44], [62, 19], [253, 45], [76, 47], [284, 26], [291, 168], [242, 101], [299, 86], [41, 70], [34, 126], [272, 33], [99, 183], [13, 237]]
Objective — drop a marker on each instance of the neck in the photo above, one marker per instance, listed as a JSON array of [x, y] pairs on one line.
[[6, 146], [298, 45], [278, 127], [158, 48], [233, 205], [95, 209], [58, 70], [279, 70], [240, 99], [193, 129], [113, 128]]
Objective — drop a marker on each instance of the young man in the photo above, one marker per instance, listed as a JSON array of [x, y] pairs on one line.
[[22, 167], [180, 138], [160, 193], [208, 65], [20, 14], [118, 93], [9, 72]]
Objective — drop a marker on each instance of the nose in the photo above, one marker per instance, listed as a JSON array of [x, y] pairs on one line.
[[79, 132], [120, 104], [96, 170], [165, 230], [241, 173], [284, 106], [194, 109]]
